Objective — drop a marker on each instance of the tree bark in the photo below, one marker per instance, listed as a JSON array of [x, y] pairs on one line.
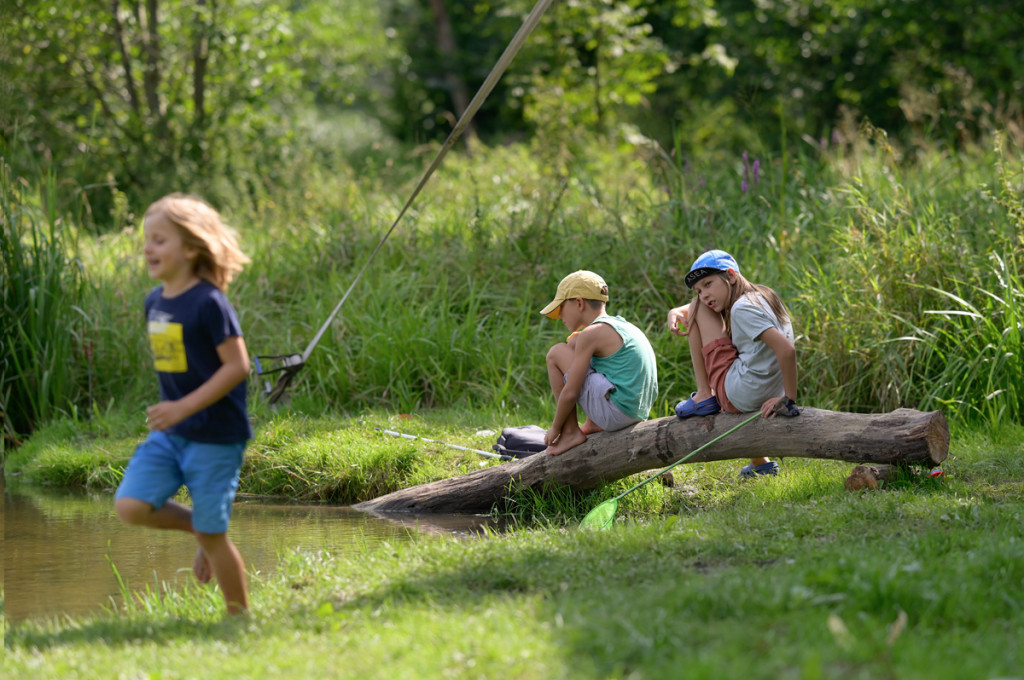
[[200, 59], [151, 51], [453, 80], [126, 61], [904, 437]]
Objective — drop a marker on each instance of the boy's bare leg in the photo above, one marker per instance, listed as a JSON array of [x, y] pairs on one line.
[[558, 359], [227, 565], [570, 436], [170, 515], [201, 567]]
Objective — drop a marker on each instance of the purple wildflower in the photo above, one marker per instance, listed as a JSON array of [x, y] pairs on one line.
[[748, 170]]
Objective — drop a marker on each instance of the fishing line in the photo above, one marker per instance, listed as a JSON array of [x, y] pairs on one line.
[[289, 364]]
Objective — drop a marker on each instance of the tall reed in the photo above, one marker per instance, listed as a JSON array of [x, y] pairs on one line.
[[973, 356], [45, 360], [864, 251]]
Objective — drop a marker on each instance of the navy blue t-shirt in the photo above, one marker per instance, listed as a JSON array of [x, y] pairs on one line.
[[184, 332]]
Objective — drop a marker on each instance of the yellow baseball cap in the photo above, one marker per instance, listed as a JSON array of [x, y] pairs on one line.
[[579, 284]]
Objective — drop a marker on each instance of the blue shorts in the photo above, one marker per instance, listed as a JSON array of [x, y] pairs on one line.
[[165, 462]]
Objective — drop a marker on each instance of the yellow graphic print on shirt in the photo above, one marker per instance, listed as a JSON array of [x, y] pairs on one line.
[[168, 347]]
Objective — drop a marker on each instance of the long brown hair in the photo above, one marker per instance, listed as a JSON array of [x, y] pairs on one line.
[[743, 287]]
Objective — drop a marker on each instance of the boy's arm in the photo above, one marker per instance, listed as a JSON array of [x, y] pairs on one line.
[[586, 343], [786, 354], [234, 368]]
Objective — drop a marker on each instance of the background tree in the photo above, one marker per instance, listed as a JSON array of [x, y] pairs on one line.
[[126, 99], [450, 49], [594, 64], [145, 96], [942, 70]]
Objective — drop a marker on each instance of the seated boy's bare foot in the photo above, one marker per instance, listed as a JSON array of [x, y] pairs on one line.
[[565, 443], [590, 427], [201, 567]]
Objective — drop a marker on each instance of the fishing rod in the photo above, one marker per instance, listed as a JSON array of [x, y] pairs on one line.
[[454, 446], [290, 364]]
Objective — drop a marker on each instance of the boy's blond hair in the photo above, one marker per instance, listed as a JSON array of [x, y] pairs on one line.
[[219, 257]]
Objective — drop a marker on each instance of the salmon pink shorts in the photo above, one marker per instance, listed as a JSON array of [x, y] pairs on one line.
[[719, 355]]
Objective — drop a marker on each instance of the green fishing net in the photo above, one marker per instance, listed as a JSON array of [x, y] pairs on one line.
[[602, 516]]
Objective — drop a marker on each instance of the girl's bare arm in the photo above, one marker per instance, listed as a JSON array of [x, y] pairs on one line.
[[785, 351]]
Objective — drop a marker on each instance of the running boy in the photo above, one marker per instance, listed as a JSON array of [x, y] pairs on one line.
[[199, 429], [607, 365], [741, 346]]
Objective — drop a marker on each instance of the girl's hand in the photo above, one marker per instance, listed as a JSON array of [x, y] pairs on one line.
[[768, 407], [678, 320], [164, 415], [777, 405], [551, 436]]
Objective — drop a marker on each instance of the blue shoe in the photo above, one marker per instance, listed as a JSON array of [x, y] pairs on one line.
[[688, 408], [751, 471]]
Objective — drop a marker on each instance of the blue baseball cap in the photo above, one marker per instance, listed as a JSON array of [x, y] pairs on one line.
[[711, 262]]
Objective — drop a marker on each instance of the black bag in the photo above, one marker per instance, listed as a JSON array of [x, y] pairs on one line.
[[520, 442]]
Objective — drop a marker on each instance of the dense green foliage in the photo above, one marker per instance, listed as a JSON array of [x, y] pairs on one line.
[[229, 98], [43, 282], [148, 97], [903, 278]]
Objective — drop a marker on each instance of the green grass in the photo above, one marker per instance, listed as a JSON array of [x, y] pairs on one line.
[[873, 244], [787, 577], [903, 276]]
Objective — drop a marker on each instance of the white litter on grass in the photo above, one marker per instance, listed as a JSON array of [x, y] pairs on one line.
[[485, 433]]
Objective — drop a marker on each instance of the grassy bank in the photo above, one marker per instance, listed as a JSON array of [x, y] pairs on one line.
[[330, 458], [791, 577], [901, 268]]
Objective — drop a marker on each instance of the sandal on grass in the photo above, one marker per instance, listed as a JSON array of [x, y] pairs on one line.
[[769, 468], [688, 408]]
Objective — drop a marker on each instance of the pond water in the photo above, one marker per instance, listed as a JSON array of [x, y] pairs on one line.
[[60, 547]]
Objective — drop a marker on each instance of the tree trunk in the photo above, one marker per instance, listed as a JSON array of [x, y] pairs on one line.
[[904, 437], [200, 59], [448, 50], [151, 51], [126, 60]]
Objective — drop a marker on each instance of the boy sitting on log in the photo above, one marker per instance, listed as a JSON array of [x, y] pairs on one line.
[[606, 365]]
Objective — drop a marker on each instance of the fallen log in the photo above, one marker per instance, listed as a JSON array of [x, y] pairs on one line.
[[876, 477], [903, 437]]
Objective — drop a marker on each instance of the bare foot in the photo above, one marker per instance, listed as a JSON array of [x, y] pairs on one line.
[[565, 443], [590, 427], [201, 567]]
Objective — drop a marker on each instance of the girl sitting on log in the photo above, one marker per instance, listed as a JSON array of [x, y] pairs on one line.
[[741, 345]]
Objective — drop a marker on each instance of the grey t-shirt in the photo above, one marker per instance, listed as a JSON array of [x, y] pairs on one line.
[[755, 375]]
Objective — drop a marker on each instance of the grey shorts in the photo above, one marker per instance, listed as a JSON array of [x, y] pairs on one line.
[[595, 402]]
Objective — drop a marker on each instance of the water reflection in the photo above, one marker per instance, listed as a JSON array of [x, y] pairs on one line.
[[59, 546]]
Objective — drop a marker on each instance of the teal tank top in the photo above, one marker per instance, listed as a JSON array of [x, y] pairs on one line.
[[632, 369]]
